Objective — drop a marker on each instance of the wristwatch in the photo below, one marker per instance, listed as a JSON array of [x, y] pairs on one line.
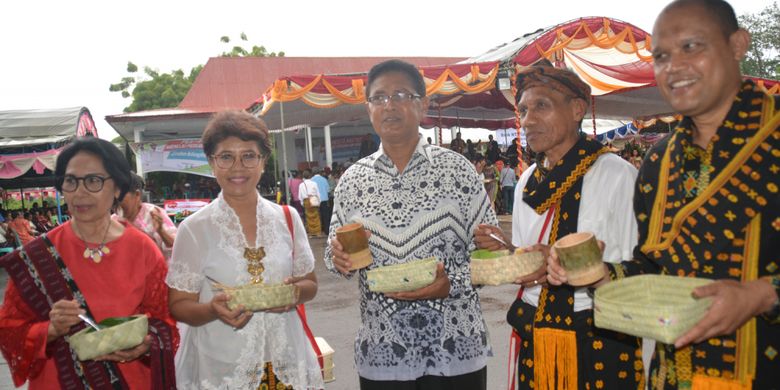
[[773, 315]]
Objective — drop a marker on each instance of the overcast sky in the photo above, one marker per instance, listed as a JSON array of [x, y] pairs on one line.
[[66, 53]]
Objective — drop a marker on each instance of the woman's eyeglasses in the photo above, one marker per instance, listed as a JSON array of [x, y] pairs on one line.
[[93, 183], [227, 160]]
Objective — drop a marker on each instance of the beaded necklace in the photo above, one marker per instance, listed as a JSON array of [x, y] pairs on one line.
[[96, 253]]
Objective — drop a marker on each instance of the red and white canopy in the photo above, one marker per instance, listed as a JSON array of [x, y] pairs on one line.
[[612, 56]]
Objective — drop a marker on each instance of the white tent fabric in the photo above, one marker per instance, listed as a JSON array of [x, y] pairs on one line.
[[35, 127], [29, 139]]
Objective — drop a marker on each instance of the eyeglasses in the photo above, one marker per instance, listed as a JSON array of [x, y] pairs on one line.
[[227, 160], [93, 183], [398, 97]]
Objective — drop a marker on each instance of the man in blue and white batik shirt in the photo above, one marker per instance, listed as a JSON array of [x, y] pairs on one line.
[[417, 200]]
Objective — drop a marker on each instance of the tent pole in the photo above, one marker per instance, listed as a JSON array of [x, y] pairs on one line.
[[59, 208], [277, 168], [21, 190], [284, 157]]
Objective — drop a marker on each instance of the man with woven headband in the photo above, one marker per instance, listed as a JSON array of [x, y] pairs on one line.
[[707, 203], [576, 185]]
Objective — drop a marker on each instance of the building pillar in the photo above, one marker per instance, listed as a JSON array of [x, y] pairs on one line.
[[309, 150], [137, 138], [328, 148]]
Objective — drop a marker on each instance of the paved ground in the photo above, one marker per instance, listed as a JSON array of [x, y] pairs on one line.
[[334, 315]]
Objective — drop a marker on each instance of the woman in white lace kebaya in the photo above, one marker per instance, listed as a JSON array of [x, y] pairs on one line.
[[238, 349]]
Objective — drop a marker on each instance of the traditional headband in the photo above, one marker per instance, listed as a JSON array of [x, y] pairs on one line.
[[545, 75]]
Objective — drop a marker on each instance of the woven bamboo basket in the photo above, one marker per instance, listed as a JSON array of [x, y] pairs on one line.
[[260, 296], [495, 268], [89, 343], [326, 352], [659, 307], [402, 277]]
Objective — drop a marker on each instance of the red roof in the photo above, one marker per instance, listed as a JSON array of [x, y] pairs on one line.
[[236, 82]]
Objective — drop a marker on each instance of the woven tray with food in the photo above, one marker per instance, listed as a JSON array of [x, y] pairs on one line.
[[495, 268], [659, 307], [256, 297], [402, 277], [115, 334]]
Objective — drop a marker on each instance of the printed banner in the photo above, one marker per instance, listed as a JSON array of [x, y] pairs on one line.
[[184, 206], [29, 194], [181, 155], [504, 137]]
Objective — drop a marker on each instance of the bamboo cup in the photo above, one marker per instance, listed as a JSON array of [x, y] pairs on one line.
[[580, 256], [354, 241]]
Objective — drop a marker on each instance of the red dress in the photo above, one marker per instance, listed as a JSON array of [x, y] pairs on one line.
[[129, 280]]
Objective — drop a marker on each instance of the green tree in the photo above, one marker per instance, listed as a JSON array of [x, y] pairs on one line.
[[255, 51], [163, 90], [158, 90], [763, 57]]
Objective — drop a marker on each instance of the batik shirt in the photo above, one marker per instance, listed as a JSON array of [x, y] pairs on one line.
[[432, 208]]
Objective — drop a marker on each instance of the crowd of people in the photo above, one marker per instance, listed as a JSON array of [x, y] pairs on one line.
[[703, 203], [498, 169], [634, 153], [18, 227], [309, 184]]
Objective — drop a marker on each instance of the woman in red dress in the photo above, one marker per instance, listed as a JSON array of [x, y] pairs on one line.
[[90, 265]]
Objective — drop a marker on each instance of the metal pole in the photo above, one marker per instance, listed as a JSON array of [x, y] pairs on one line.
[[59, 208], [277, 168], [284, 156]]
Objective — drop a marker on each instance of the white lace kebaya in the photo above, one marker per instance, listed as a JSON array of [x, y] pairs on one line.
[[214, 356]]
